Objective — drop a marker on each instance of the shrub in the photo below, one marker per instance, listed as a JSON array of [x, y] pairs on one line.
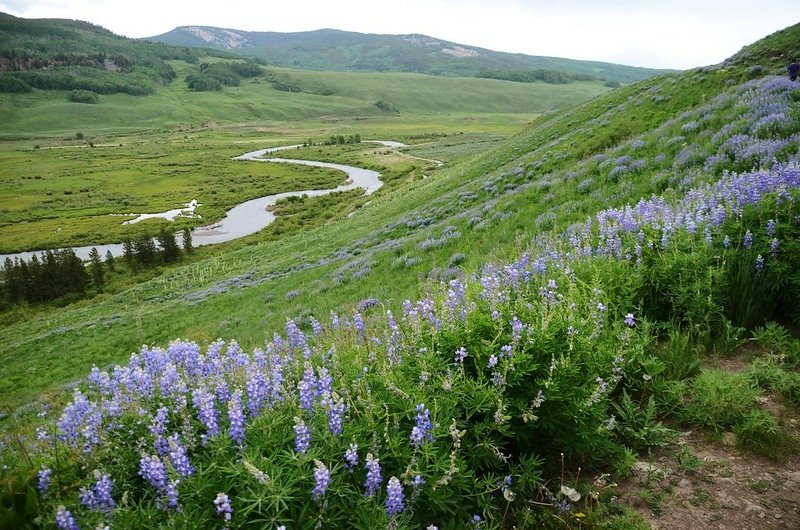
[[82, 96]]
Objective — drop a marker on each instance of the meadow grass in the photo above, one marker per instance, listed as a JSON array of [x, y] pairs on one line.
[[613, 232]]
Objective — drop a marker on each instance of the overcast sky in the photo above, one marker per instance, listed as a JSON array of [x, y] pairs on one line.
[[654, 33]]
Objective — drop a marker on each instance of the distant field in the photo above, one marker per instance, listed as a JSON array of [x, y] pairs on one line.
[[257, 103], [61, 195]]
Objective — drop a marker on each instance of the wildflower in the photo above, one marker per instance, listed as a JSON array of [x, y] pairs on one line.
[[394, 497], [773, 246], [477, 521], [571, 493], [748, 239], [629, 320], [302, 440], [373, 482], [492, 361], [351, 457], [152, 469], [759, 264], [726, 242], [45, 477], [771, 227], [206, 411], [102, 493], [259, 475], [171, 493], [236, 417], [322, 478], [223, 505], [461, 354], [336, 408], [422, 430], [178, 457], [65, 520]]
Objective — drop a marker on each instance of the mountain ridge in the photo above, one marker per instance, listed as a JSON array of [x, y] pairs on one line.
[[333, 49]]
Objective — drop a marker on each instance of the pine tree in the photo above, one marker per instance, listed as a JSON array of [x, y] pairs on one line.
[[110, 261], [187, 241], [96, 269], [169, 248]]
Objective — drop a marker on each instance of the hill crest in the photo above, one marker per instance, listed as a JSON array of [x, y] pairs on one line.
[[332, 49]]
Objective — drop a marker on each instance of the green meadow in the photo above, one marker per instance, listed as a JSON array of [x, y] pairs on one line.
[[586, 279]]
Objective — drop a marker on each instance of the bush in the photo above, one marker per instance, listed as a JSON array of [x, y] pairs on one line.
[[12, 84], [83, 96]]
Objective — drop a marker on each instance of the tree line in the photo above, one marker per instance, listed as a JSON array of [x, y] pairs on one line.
[[55, 274], [553, 77]]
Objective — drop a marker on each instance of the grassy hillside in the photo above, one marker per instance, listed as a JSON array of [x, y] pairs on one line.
[[329, 49], [465, 350]]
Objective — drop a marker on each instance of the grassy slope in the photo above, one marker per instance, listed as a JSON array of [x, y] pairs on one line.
[[167, 308], [48, 113]]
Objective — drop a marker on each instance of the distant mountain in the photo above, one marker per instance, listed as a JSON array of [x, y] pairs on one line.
[[330, 49], [58, 54]]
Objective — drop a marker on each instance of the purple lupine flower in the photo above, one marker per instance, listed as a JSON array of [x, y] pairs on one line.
[[178, 457], [65, 520], [492, 361], [324, 381], [477, 521], [152, 469], [45, 478], [629, 320], [223, 504], [236, 417], [773, 246], [374, 479], [461, 354], [759, 264], [394, 497], [256, 388], [358, 324], [516, 329], [506, 351], [305, 391], [422, 430], [206, 412], [771, 227], [302, 441], [316, 327], [322, 478], [158, 428], [171, 493], [335, 409], [351, 457], [748, 239], [726, 242], [416, 488], [102, 493], [86, 497]]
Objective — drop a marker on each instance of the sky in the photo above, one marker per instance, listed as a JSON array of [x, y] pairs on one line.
[[653, 33]]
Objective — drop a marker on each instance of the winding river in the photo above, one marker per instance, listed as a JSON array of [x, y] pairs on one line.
[[251, 216]]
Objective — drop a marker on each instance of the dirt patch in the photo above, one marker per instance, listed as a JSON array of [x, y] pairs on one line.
[[704, 484]]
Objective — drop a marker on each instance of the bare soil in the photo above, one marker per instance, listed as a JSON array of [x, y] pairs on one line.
[[713, 484]]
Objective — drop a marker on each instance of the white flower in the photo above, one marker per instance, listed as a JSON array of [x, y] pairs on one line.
[[570, 493]]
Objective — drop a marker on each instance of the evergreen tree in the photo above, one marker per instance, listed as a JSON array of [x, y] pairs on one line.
[[129, 254], [169, 248], [96, 269], [187, 241], [145, 249], [110, 261]]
